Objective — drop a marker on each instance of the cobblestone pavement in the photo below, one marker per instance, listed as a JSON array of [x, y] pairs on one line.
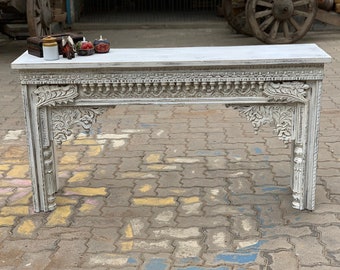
[[170, 187]]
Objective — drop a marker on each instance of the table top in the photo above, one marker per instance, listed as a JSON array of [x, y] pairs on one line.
[[183, 56]]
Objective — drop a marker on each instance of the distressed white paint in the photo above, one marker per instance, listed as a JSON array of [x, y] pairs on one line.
[[185, 56], [269, 84]]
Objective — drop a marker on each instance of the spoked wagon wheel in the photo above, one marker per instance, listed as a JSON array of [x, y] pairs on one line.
[[39, 17], [280, 21], [235, 14]]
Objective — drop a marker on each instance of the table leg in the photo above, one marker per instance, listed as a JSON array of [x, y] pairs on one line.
[[41, 153], [305, 150]]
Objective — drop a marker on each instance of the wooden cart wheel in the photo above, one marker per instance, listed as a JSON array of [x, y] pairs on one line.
[[39, 17], [280, 21], [235, 14]]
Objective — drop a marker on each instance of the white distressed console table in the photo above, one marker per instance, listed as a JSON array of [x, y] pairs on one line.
[[278, 85]]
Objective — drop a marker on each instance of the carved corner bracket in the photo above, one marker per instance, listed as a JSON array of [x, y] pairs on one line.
[[64, 119], [286, 92], [51, 95], [282, 98], [280, 117]]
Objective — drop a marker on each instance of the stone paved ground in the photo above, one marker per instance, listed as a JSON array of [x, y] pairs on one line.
[[170, 187]]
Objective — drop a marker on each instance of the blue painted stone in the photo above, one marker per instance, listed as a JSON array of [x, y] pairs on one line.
[[203, 268], [156, 264], [241, 258]]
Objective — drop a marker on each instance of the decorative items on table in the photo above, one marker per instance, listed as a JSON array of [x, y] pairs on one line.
[[68, 49], [101, 45], [50, 48], [34, 44], [66, 45], [85, 47]]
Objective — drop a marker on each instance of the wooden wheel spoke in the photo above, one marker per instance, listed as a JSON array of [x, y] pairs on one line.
[[295, 24], [274, 29], [37, 10], [265, 4], [38, 17], [264, 13], [266, 23], [285, 28], [38, 4], [45, 4], [39, 29], [301, 13], [301, 3], [37, 20]]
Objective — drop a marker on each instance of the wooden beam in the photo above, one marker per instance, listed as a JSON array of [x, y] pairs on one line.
[[328, 17]]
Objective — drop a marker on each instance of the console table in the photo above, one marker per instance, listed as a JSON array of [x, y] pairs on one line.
[[278, 85]]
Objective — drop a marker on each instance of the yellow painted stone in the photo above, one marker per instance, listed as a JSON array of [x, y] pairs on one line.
[[87, 191], [59, 216], [153, 201], [177, 191], [70, 158], [4, 167], [81, 136], [162, 167], [68, 142], [191, 200], [128, 231], [15, 152], [86, 207], [7, 221], [65, 200], [126, 245], [11, 161], [14, 210], [79, 176], [81, 141], [27, 227], [153, 158], [145, 188], [18, 171], [95, 150], [24, 200], [75, 167]]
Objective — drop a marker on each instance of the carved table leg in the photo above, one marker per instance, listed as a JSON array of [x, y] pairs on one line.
[[48, 123], [295, 118], [41, 153], [305, 150]]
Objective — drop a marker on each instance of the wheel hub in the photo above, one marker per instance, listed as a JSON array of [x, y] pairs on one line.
[[283, 9]]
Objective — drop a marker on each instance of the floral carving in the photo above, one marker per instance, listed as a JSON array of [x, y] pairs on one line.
[[286, 91], [51, 185], [50, 95], [280, 117], [298, 188], [64, 119]]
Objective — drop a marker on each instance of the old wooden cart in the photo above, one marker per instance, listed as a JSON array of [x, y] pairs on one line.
[[278, 21], [39, 14], [271, 21]]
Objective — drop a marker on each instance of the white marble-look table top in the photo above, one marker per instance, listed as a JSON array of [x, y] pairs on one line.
[[184, 56]]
